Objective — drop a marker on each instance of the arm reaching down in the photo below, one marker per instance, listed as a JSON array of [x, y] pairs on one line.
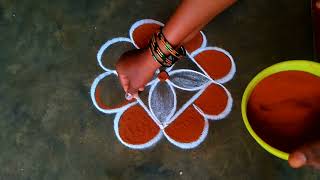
[[136, 68]]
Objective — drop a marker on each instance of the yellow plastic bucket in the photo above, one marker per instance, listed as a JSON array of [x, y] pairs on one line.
[[299, 65]]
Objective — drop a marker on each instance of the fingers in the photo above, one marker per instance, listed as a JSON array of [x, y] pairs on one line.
[[141, 89], [308, 155], [297, 159], [124, 81], [128, 96], [131, 92]]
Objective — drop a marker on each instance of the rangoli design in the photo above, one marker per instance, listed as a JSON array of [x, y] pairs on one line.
[[139, 125]]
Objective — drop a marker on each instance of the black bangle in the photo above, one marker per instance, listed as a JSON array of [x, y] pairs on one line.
[[158, 55], [178, 54]]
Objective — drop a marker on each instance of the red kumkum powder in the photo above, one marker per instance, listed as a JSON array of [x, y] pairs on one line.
[[216, 63], [136, 127], [188, 127], [284, 109]]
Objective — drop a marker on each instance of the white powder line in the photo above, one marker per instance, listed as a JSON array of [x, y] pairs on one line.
[[173, 110], [221, 115], [173, 114], [232, 71], [191, 144], [196, 73], [105, 46], [93, 91], [186, 105], [139, 23], [134, 146]]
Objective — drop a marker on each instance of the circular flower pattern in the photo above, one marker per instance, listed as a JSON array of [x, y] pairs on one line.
[[138, 125]]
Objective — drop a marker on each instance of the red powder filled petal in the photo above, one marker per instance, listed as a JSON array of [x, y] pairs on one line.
[[163, 75], [217, 64], [136, 127], [103, 105], [213, 100], [142, 34], [188, 127], [194, 43]]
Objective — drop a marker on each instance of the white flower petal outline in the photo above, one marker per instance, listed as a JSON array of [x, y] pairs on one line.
[[139, 23], [105, 46], [191, 144], [224, 113], [203, 44], [120, 111], [186, 105], [190, 80], [141, 103], [224, 79], [148, 144], [155, 112], [204, 41], [93, 91]]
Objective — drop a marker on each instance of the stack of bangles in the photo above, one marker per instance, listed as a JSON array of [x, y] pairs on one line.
[[159, 56]]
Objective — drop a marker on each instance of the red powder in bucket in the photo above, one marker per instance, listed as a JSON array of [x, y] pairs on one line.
[[284, 109]]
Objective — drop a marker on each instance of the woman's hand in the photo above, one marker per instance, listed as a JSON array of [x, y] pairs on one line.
[[135, 69], [308, 155]]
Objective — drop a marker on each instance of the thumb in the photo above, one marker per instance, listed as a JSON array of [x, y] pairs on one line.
[[307, 155], [134, 92], [131, 92], [297, 159], [124, 81]]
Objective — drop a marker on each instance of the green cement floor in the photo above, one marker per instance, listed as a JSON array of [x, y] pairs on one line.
[[50, 130]]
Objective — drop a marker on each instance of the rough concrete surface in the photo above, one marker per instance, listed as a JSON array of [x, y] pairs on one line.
[[50, 130]]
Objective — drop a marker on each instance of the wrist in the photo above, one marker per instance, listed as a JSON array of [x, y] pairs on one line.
[[170, 36], [150, 61], [162, 48]]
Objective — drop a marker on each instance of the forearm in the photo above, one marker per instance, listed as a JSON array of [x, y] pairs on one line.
[[190, 17]]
